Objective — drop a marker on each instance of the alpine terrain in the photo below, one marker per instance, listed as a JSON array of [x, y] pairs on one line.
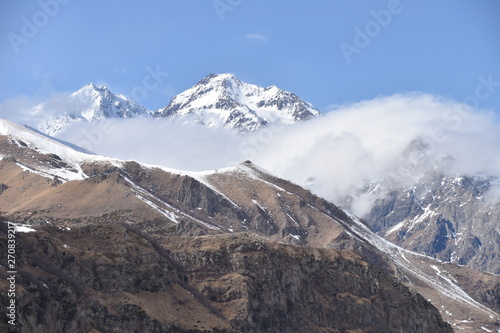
[[221, 100], [452, 217], [90, 103], [105, 245], [217, 101]]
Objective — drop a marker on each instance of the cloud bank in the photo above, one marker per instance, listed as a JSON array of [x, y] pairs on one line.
[[175, 145], [398, 137]]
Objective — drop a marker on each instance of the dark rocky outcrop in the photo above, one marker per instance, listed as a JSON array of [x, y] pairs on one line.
[[114, 278]]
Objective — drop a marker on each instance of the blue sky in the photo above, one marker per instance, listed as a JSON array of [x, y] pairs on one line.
[[327, 52]]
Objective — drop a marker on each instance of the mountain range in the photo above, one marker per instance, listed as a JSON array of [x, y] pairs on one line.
[[224, 101], [125, 244], [217, 101], [444, 216], [427, 245]]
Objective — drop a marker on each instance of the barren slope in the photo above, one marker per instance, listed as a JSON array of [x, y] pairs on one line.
[[163, 204]]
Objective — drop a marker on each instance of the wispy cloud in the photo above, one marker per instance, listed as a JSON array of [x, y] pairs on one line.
[[43, 77], [122, 70], [256, 37], [18, 108]]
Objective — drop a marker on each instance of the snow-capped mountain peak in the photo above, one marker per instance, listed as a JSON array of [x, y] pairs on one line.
[[99, 102], [90, 103], [217, 101], [222, 100]]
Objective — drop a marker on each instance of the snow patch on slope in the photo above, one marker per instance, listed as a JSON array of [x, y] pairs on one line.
[[47, 145], [441, 282]]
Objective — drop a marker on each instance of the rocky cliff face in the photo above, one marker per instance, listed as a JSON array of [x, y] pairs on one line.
[[295, 289], [102, 279], [451, 218], [113, 278]]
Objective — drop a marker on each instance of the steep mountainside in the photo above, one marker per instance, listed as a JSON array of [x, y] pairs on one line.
[[449, 217], [112, 278], [445, 217], [90, 103], [102, 225], [454, 218], [221, 100]]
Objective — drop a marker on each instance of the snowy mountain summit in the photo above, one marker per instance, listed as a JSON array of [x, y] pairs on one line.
[[102, 103], [217, 101], [221, 100], [90, 103]]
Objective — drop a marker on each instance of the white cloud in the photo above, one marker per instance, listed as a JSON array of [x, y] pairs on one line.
[[15, 109], [341, 151], [156, 141], [256, 37], [370, 140], [33, 111]]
